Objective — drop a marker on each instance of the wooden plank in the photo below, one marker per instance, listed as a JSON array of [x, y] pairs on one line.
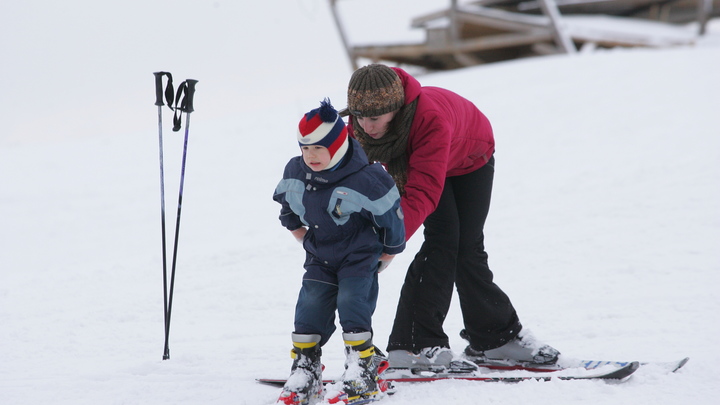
[[462, 46], [619, 31], [502, 24], [484, 16], [502, 41], [420, 22]]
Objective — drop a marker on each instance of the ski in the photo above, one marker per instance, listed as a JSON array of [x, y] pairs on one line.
[[415, 376], [336, 397], [406, 375], [670, 366], [564, 364], [361, 401], [280, 382], [341, 398]]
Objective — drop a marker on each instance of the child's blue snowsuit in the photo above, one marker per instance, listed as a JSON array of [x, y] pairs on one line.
[[353, 215]]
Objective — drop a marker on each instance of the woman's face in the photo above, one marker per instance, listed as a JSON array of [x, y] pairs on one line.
[[376, 127]]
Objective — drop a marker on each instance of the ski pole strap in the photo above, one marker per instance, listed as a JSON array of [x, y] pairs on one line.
[[186, 89], [169, 89]]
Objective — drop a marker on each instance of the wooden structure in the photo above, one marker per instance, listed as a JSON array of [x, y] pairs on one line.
[[486, 31]]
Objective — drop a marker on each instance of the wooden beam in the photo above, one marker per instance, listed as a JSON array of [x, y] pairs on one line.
[[462, 46], [560, 32], [704, 11], [501, 23], [487, 17], [419, 22], [343, 36], [502, 41]]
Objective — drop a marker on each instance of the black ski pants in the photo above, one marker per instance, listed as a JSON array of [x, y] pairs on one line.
[[453, 254]]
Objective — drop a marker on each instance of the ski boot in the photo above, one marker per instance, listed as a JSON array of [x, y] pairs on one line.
[[435, 358], [523, 349], [304, 386], [360, 379]]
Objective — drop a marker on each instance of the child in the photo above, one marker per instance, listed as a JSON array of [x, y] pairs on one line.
[[346, 213]]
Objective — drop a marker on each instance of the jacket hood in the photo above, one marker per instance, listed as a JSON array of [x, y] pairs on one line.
[[411, 85]]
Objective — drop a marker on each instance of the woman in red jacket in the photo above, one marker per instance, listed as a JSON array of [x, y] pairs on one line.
[[439, 149]]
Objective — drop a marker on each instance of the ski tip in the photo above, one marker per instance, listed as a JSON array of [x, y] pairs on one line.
[[271, 382], [680, 364], [622, 373]]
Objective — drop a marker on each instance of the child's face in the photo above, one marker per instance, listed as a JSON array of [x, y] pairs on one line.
[[316, 157]]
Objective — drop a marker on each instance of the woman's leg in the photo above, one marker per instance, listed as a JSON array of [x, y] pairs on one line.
[[489, 316], [425, 297]]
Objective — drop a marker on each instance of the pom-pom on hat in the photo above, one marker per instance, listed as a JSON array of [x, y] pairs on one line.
[[374, 90], [323, 126]]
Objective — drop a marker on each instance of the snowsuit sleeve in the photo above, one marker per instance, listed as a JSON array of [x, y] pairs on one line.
[[388, 216], [289, 194]]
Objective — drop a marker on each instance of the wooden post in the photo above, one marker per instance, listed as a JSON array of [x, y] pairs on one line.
[[562, 38], [343, 37], [454, 30], [704, 10]]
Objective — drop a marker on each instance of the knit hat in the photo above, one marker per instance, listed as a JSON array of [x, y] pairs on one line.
[[374, 90], [323, 126]]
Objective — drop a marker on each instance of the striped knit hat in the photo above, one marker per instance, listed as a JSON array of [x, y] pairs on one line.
[[323, 126], [375, 90]]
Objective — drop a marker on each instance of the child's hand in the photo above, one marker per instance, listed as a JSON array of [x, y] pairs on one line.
[[385, 260], [299, 233]]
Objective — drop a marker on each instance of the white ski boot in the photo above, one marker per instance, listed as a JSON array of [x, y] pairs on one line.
[[429, 358], [523, 349]]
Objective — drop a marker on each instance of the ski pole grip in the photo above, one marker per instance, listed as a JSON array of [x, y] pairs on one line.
[[158, 88], [189, 95]]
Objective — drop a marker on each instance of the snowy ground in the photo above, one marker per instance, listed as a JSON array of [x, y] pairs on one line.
[[604, 227]]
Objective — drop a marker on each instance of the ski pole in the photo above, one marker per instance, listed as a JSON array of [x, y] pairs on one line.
[[169, 95], [186, 106]]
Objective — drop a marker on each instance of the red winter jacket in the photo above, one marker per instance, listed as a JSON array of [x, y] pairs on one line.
[[449, 136]]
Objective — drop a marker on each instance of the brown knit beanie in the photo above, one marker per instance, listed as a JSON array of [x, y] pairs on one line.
[[374, 90]]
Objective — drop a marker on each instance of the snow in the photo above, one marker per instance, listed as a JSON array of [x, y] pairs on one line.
[[604, 226]]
